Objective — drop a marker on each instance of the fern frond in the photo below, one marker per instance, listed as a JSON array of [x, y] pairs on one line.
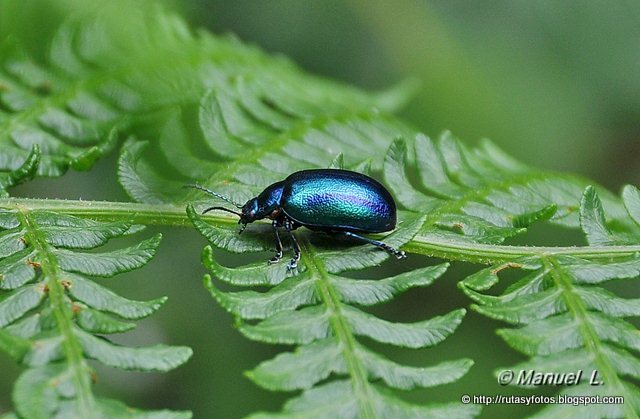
[[239, 153], [317, 310], [196, 107], [259, 122], [107, 71], [568, 322], [481, 195], [62, 111], [52, 316]]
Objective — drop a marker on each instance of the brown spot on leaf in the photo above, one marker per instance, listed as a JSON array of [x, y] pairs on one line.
[[506, 266], [34, 263]]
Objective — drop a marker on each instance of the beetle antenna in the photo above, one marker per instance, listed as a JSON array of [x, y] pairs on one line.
[[223, 209], [210, 192]]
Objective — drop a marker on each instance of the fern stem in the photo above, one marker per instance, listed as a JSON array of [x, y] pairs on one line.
[[492, 253], [62, 314], [148, 214], [175, 215], [576, 307], [342, 331]]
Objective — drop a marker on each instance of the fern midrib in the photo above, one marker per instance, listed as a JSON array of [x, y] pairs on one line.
[[70, 343], [493, 253], [578, 310], [149, 214], [342, 331], [174, 215]]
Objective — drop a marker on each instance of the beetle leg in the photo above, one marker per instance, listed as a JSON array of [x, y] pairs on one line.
[[275, 224], [397, 253], [293, 263]]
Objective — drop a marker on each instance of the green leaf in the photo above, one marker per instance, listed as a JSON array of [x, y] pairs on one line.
[[97, 322], [369, 292], [42, 130], [44, 392], [338, 162], [567, 322], [16, 304], [394, 165], [289, 295], [15, 346], [337, 399], [291, 327], [160, 358], [49, 315], [406, 378], [227, 237], [106, 73], [311, 308], [132, 179], [413, 335], [481, 195], [248, 275], [592, 219], [111, 263], [85, 236], [101, 298], [301, 369], [631, 196], [106, 77], [24, 172], [246, 151]]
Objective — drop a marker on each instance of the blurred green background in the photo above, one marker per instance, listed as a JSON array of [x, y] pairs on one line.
[[556, 84]]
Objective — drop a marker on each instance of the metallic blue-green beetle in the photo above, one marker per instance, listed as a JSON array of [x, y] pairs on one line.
[[338, 202]]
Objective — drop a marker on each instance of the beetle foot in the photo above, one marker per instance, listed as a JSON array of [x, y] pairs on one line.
[[400, 254], [276, 258], [293, 263]]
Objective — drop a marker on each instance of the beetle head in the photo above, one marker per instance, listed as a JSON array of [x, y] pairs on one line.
[[250, 213], [248, 210]]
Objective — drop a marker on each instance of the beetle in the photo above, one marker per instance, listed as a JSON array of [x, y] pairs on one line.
[[335, 201]]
